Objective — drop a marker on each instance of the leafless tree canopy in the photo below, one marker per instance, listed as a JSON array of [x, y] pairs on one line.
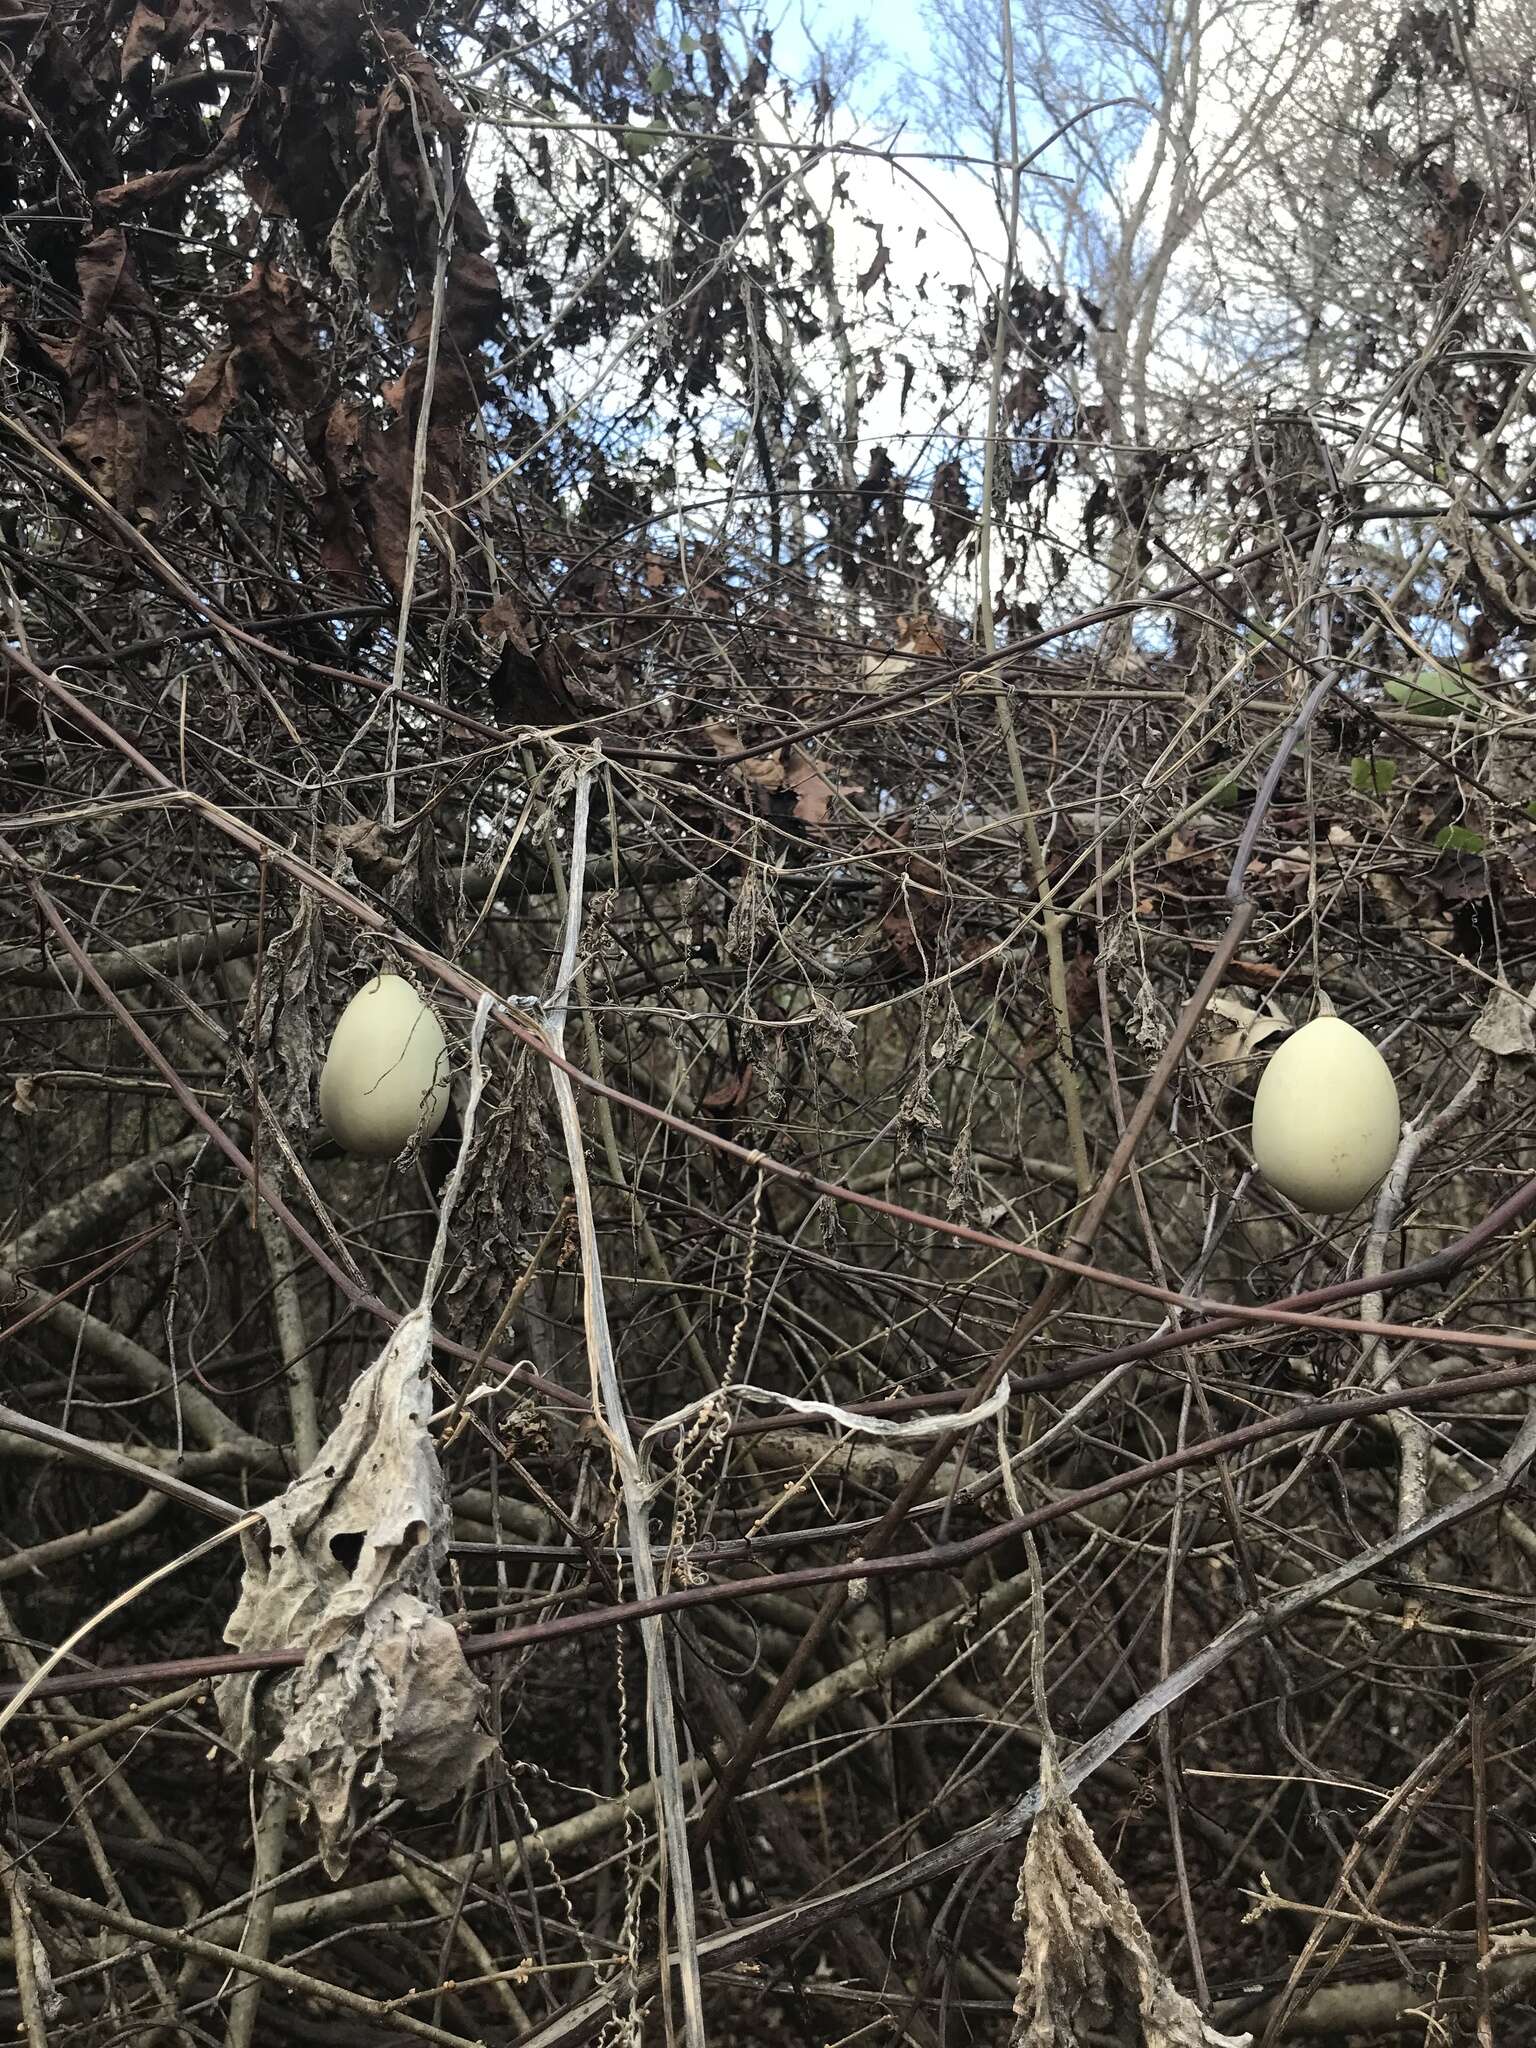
[[869, 674]]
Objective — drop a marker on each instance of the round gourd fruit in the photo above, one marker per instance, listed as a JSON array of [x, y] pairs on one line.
[[386, 1074], [1325, 1117]]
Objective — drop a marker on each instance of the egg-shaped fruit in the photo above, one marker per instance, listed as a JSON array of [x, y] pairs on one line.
[[386, 1074], [1326, 1122]]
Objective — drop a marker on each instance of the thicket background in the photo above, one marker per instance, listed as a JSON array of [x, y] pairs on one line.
[[966, 560]]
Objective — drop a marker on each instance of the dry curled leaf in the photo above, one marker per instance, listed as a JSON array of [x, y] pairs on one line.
[[383, 1702], [129, 450], [1234, 1031], [791, 771], [1089, 1970], [335, 439], [1504, 1027]]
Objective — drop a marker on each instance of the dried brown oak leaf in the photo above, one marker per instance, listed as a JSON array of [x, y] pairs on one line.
[[1089, 1970], [383, 1703]]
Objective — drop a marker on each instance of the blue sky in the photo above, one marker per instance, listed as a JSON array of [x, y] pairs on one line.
[[897, 25]]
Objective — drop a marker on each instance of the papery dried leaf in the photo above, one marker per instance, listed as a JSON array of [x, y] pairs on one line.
[[107, 286], [325, 31], [153, 188], [272, 351], [167, 29], [727, 1100], [880, 263], [472, 308], [385, 509], [1089, 1968], [383, 1701], [215, 386], [335, 440], [417, 76], [1504, 1026], [790, 770], [365, 850], [1233, 1031], [128, 449], [416, 893], [269, 323], [530, 685]]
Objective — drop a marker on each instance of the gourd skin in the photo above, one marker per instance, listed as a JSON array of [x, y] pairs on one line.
[[1326, 1121], [386, 1073]]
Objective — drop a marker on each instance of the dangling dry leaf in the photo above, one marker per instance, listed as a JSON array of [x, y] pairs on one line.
[[335, 439], [1234, 1032], [128, 449], [915, 639], [1089, 1968], [384, 1701], [791, 769], [1504, 1026]]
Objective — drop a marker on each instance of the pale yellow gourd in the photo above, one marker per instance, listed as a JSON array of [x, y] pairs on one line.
[[1326, 1121], [386, 1073]]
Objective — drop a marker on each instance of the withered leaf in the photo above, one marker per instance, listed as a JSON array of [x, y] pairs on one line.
[[128, 449], [365, 844], [1504, 1025], [878, 266], [269, 323], [727, 1100], [335, 441], [107, 285], [153, 188], [214, 387], [1089, 1967], [166, 30], [282, 1028], [529, 685], [791, 769], [386, 500], [472, 307], [271, 347], [324, 30], [417, 75], [383, 1701]]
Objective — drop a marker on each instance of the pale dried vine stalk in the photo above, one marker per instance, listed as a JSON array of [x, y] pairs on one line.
[[608, 1401]]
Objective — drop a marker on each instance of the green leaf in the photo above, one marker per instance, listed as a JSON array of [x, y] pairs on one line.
[[1457, 839], [659, 78], [639, 142], [690, 43], [1434, 693], [1371, 776], [1222, 794]]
